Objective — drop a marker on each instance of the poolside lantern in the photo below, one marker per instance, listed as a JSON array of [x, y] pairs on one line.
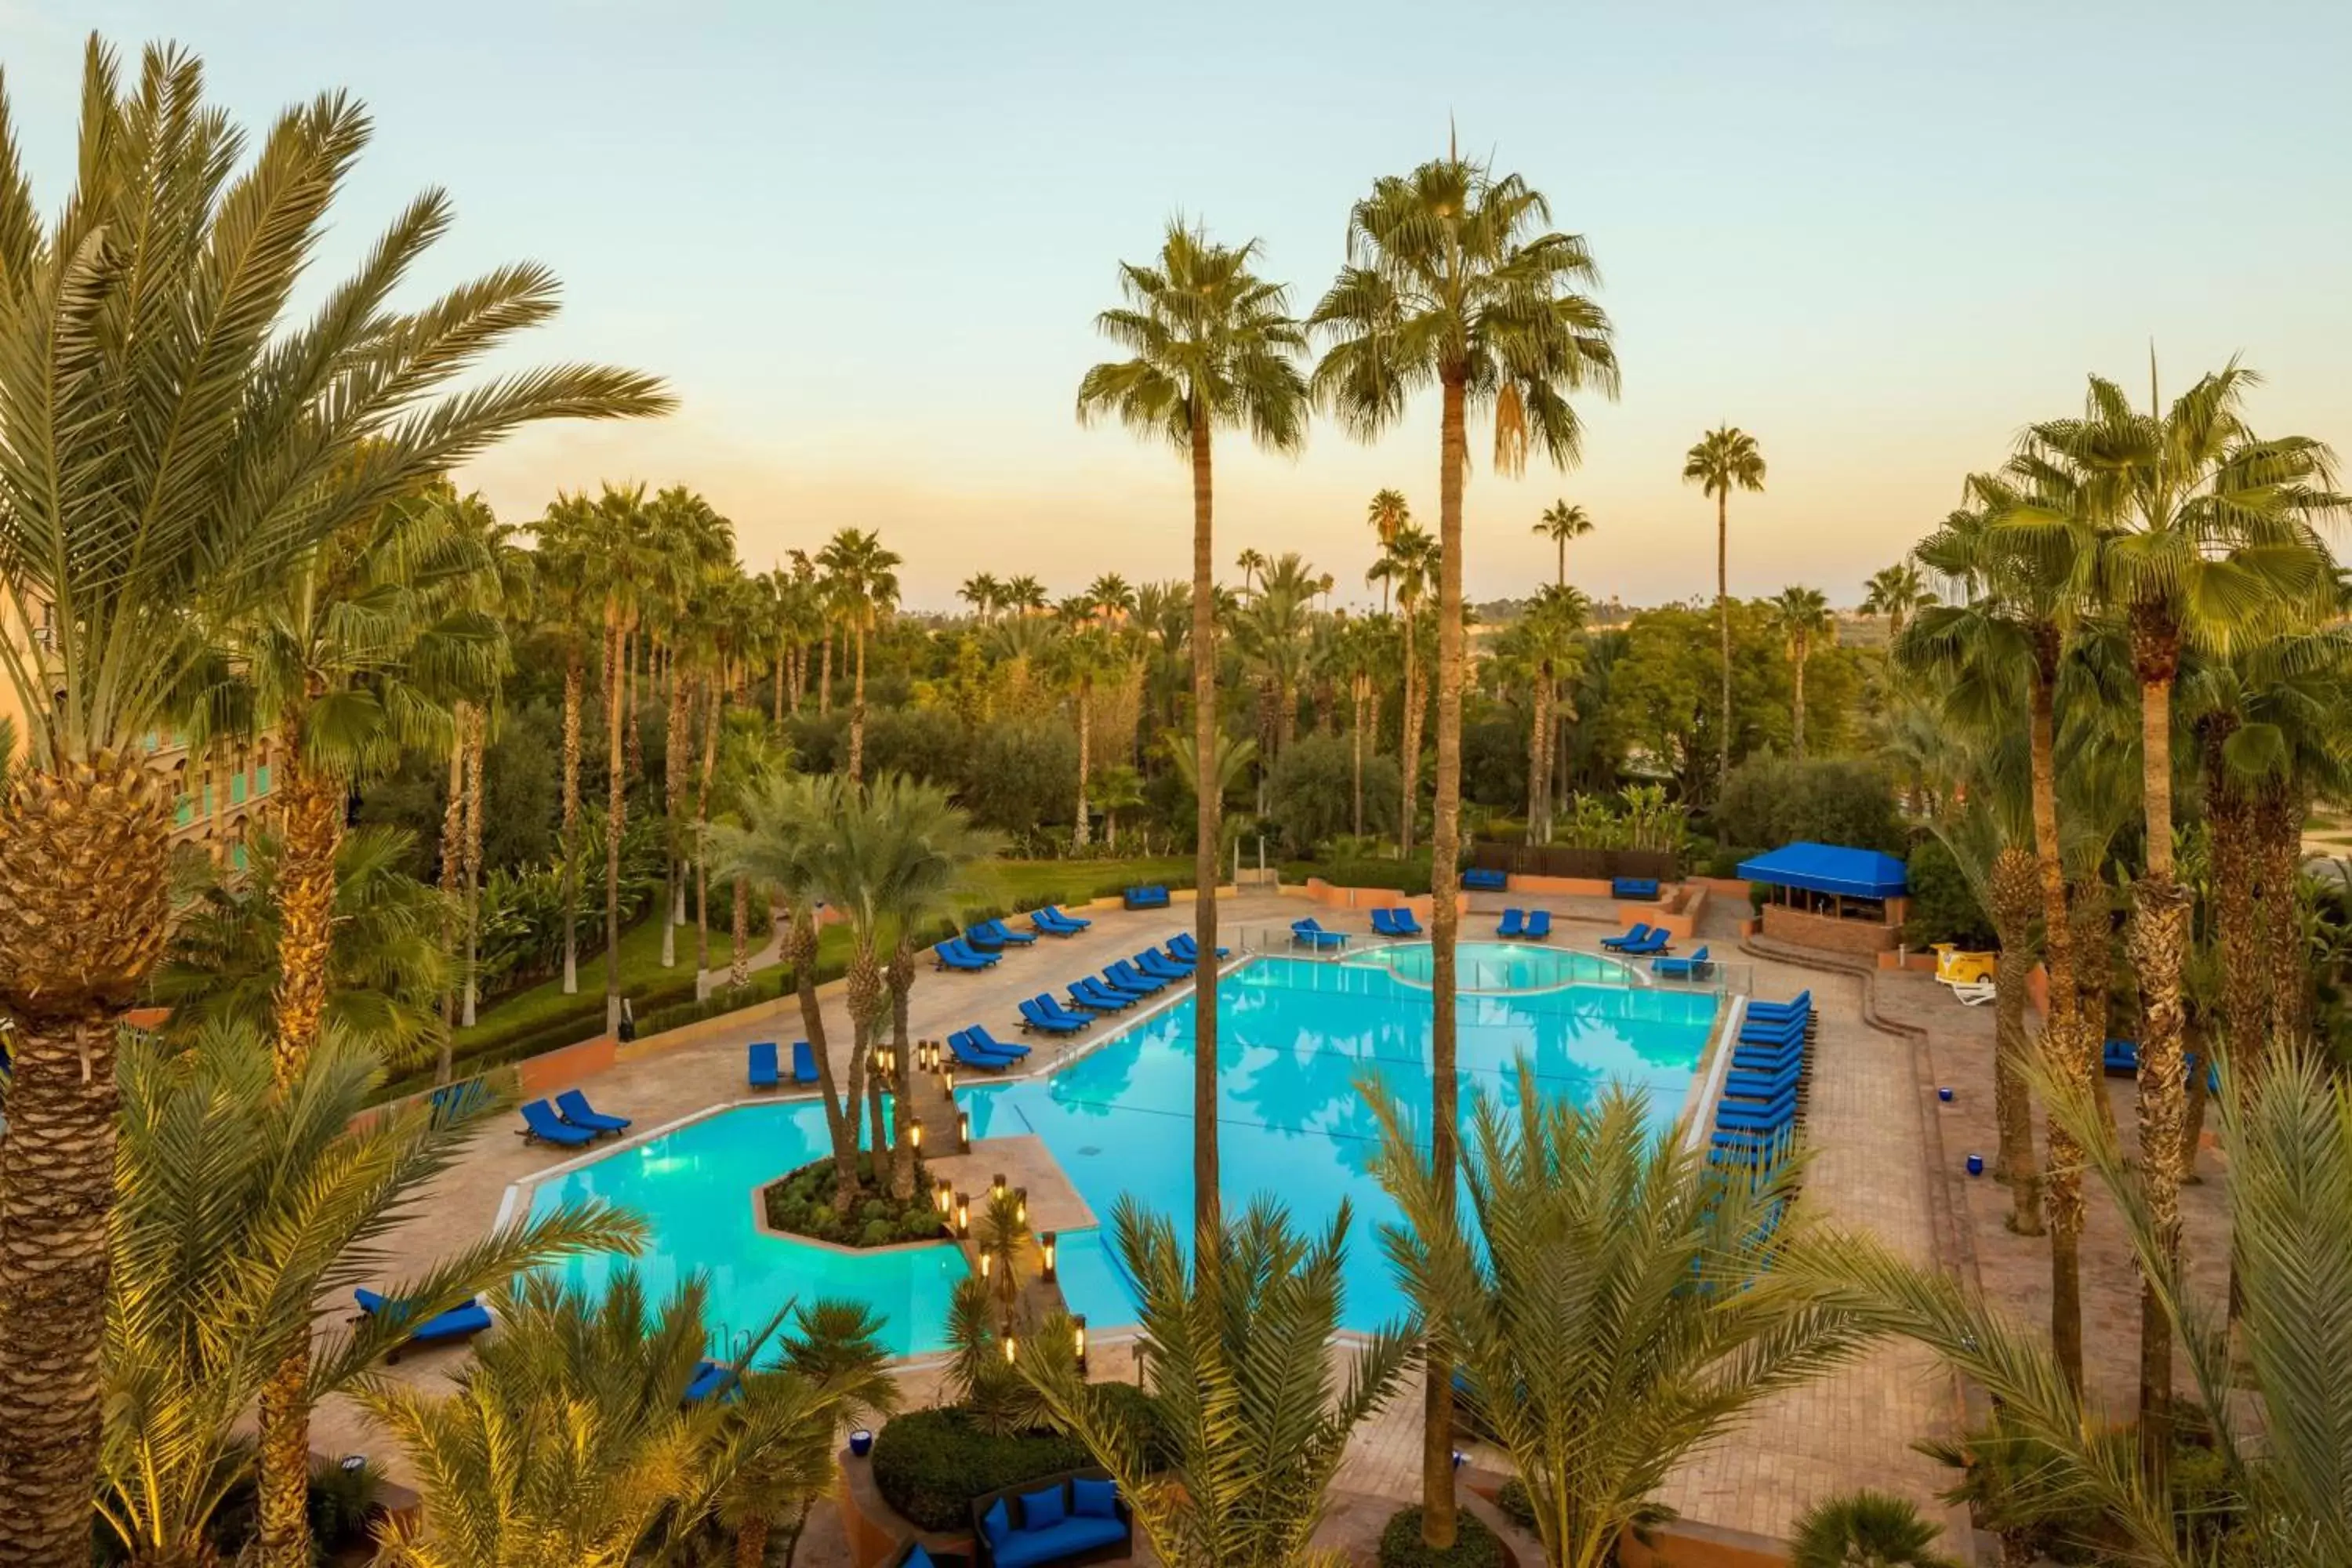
[[1046, 1244], [963, 1128], [1011, 1346], [915, 1135], [947, 1080], [941, 1195], [1021, 1204], [963, 1214], [987, 1263], [1079, 1339], [996, 1185]]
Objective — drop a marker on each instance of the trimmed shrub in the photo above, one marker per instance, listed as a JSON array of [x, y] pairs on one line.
[[1310, 794], [1475, 1545], [930, 1464], [1944, 908], [1773, 801], [1516, 1504], [802, 1204]]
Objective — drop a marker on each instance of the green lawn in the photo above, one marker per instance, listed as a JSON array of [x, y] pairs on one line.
[[1033, 882]]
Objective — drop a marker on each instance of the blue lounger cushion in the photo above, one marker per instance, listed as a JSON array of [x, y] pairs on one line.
[[1513, 923], [542, 1125], [1382, 925], [763, 1072], [1028, 1548], [468, 1317], [1633, 887], [960, 1045], [1034, 1017], [574, 1107], [1482, 879], [803, 1063], [1539, 925], [709, 1378], [980, 939], [1091, 1499], [982, 1040], [1623, 940]]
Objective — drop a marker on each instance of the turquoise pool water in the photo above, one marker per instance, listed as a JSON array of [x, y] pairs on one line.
[[1296, 1035], [1500, 966]]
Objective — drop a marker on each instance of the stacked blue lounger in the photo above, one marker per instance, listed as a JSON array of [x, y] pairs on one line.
[[1758, 1115]]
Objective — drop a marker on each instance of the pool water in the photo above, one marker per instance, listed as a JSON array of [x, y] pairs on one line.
[[1480, 966], [1296, 1037]]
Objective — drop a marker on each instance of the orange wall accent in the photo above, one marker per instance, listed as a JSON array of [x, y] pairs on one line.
[[535, 1076], [1826, 931], [1680, 1543]]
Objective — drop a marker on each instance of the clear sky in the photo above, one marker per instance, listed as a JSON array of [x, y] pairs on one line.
[[865, 242]]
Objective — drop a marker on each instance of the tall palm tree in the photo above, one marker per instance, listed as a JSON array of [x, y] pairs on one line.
[[1249, 564], [1547, 641], [171, 446], [1212, 345], [1898, 593], [1409, 564], [1112, 596], [1081, 658], [1448, 283], [1252, 1418], [570, 605], [865, 591], [983, 593], [2202, 540], [1559, 524], [1024, 595], [246, 1199], [1613, 1301], [1725, 459], [1801, 616], [1388, 514]]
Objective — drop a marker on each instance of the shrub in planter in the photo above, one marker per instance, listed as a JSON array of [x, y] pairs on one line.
[[930, 1464], [1518, 1506], [1475, 1545]]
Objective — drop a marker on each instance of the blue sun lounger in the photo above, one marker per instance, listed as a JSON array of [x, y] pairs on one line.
[[1134, 992], [982, 1040], [803, 1063], [1513, 923], [1384, 924], [1160, 966], [574, 1107], [1659, 939], [1624, 941], [462, 1322], [1185, 946], [1034, 1016], [1539, 925], [957, 953], [1003, 933], [1308, 933], [709, 1377], [1680, 968], [960, 1045], [1052, 917], [542, 1125], [1405, 922], [1126, 974], [1089, 992], [762, 1073]]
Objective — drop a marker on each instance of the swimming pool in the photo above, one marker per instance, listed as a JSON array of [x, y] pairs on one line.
[[1480, 966], [1296, 1035]]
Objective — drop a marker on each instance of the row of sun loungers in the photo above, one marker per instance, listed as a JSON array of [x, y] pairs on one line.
[[980, 946], [1644, 941], [1757, 1114], [1525, 925], [569, 1120], [1396, 922]]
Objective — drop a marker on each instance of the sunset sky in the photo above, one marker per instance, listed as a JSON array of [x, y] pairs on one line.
[[865, 242]]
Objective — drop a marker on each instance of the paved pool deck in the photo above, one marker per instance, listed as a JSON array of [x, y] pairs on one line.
[[1851, 1429]]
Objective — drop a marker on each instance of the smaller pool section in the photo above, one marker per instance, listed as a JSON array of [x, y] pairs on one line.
[[1483, 967], [693, 1187]]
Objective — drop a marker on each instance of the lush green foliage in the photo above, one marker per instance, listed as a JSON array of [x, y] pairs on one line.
[[1310, 792], [1944, 906], [1866, 1530], [802, 1204], [930, 1464], [1771, 801]]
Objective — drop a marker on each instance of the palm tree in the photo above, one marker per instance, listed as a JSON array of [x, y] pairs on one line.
[[1252, 1417], [1249, 564], [2200, 539], [1613, 1301], [774, 1459], [1213, 346], [2275, 1389], [1896, 593], [1026, 595], [694, 551], [1867, 1530], [171, 448], [1112, 597], [1448, 284], [1388, 515], [983, 593], [567, 574], [1800, 615], [1409, 564], [1725, 459], [866, 590], [246, 1200], [1547, 642], [1561, 523], [1080, 658]]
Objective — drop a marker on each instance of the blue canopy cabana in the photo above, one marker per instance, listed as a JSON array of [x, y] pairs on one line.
[[1830, 869]]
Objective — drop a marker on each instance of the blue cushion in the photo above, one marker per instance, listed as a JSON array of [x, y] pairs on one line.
[[1042, 1510], [917, 1558], [1094, 1500], [997, 1523], [1026, 1547]]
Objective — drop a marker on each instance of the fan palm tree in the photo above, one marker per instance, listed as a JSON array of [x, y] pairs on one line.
[[246, 1200], [1898, 593], [865, 591], [1112, 596], [1387, 515], [1024, 593], [1249, 564], [171, 447], [1801, 616], [2200, 537], [1411, 566], [1253, 1417], [1612, 1299], [983, 593], [1725, 459], [1449, 284], [1559, 524], [2014, 627], [568, 605], [1867, 1530], [1212, 346], [1548, 643], [2280, 1401], [1080, 658], [694, 551]]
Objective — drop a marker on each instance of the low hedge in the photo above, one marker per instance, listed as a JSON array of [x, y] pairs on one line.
[[1475, 1545], [930, 1464]]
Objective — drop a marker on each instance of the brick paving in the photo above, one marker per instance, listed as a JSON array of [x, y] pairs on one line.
[[1851, 1429]]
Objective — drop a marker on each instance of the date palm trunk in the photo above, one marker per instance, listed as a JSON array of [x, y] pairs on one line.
[[478, 725], [2075, 1056], [739, 967], [2278, 831], [2015, 891], [1208, 841], [702, 832], [1355, 692], [85, 902], [901, 978], [573, 681], [857, 708], [1437, 1501], [632, 645], [453, 877], [2158, 941], [1798, 740], [1413, 707], [1085, 741], [778, 721], [1723, 624], [674, 763], [824, 677]]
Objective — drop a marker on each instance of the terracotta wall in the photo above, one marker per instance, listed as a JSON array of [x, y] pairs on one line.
[[1830, 935], [1680, 1543]]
